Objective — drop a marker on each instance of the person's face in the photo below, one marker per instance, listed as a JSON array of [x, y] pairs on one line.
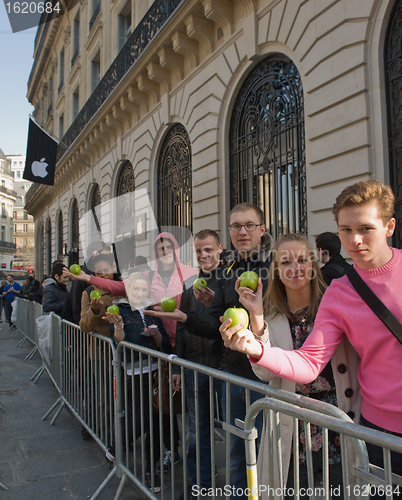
[[244, 241], [61, 279], [27, 282], [165, 254], [10, 279], [208, 253], [364, 235], [103, 269], [295, 267], [138, 292]]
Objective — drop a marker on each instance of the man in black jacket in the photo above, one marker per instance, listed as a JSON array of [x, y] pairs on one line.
[[55, 292], [206, 352], [252, 253], [329, 253]]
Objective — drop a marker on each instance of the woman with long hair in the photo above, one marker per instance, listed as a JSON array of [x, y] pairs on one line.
[[284, 318]]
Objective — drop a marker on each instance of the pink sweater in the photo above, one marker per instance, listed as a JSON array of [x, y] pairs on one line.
[[343, 311]]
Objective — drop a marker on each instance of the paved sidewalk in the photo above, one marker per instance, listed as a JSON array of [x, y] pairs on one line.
[[39, 461], [43, 462]]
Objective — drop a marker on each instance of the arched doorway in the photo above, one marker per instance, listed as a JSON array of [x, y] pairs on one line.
[[175, 193], [125, 217], [73, 255], [59, 235], [48, 247]]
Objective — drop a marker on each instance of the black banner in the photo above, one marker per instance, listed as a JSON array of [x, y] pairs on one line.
[[40, 161]]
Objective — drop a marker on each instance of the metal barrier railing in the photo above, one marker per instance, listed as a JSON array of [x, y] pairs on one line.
[[132, 466], [87, 380], [118, 413], [365, 473]]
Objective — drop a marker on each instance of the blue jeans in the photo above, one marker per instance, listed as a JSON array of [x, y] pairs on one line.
[[8, 308], [203, 426], [238, 472]]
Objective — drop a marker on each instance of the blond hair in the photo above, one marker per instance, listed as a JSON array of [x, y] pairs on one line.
[[135, 277], [275, 299], [364, 192]]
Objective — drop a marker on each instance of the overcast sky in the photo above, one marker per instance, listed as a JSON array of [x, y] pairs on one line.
[[16, 51]]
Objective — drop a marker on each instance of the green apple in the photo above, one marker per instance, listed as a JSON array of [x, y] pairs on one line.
[[237, 315], [95, 294], [200, 282], [75, 269], [249, 279], [168, 304], [113, 309]]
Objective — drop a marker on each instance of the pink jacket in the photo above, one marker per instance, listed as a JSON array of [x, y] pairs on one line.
[[343, 312], [175, 287], [158, 288]]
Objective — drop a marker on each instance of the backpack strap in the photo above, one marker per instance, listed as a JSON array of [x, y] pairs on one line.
[[339, 269], [375, 304]]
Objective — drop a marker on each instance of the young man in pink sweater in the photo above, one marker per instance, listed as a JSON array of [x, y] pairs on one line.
[[364, 214]]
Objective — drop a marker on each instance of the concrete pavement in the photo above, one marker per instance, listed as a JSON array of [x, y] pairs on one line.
[[39, 461], [43, 462]]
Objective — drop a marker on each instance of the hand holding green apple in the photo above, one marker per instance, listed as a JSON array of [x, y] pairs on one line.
[[75, 269], [200, 283], [95, 294], [238, 315], [168, 304], [249, 279], [113, 309]]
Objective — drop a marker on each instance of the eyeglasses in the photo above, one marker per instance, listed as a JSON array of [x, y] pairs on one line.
[[250, 226]]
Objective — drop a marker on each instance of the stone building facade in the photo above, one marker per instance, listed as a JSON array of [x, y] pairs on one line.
[[7, 199], [198, 104], [23, 223]]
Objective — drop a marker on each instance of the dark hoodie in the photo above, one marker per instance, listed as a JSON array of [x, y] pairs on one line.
[[207, 325]]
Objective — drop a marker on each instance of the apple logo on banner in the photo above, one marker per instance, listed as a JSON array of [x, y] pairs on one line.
[[39, 168]]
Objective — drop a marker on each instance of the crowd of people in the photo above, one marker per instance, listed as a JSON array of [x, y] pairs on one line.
[[310, 331]]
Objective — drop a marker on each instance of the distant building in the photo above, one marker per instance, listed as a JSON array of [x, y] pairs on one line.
[[23, 223], [7, 199]]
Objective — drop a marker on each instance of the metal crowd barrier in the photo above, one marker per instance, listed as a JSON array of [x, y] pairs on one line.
[[370, 480], [87, 380], [110, 393], [131, 465]]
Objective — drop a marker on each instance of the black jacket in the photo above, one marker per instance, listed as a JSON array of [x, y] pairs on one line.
[[200, 350], [134, 324], [72, 307], [336, 267], [207, 325], [54, 296]]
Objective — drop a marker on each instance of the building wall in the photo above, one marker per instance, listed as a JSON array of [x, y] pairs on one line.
[[191, 74], [23, 224], [7, 200]]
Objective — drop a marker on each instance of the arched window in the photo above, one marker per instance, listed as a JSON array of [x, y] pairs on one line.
[[267, 145], [95, 201], [59, 234], [174, 180], [73, 257], [125, 217], [48, 247], [175, 193], [393, 78], [40, 271]]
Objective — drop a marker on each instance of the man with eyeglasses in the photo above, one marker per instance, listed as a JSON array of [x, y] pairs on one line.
[[252, 249]]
